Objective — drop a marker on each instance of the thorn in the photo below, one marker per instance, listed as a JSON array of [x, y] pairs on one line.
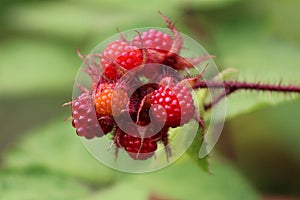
[[92, 70], [68, 118], [116, 154], [67, 104], [121, 35], [188, 72], [202, 71], [83, 89], [197, 61], [79, 54], [192, 81], [167, 20], [144, 52], [177, 42], [111, 145]]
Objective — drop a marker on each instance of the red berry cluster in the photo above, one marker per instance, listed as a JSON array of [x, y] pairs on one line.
[[167, 103]]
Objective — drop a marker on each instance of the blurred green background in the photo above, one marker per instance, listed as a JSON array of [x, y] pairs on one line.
[[258, 155]]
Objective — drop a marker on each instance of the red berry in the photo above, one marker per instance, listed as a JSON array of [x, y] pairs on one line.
[[138, 148], [84, 117], [109, 101], [153, 39], [172, 103], [120, 53], [102, 99]]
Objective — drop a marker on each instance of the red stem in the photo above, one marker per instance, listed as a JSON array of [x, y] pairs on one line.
[[216, 100], [232, 86]]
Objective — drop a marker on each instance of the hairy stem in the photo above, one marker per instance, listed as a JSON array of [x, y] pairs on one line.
[[216, 100], [232, 86]]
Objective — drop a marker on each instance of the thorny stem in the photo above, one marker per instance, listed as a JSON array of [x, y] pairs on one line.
[[217, 99], [232, 86]]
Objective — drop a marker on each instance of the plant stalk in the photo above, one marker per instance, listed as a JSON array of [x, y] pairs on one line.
[[232, 86]]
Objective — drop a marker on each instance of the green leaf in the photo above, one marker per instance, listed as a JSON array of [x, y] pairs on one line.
[[259, 57], [82, 21], [228, 74], [61, 19], [270, 141], [279, 126], [184, 180], [34, 66], [283, 18], [56, 148], [26, 186], [193, 152], [122, 190], [75, 20]]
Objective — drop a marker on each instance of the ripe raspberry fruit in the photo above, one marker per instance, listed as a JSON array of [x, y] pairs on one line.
[[84, 117], [173, 103], [153, 39], [109, 100], [138, 148], [120, 53]]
